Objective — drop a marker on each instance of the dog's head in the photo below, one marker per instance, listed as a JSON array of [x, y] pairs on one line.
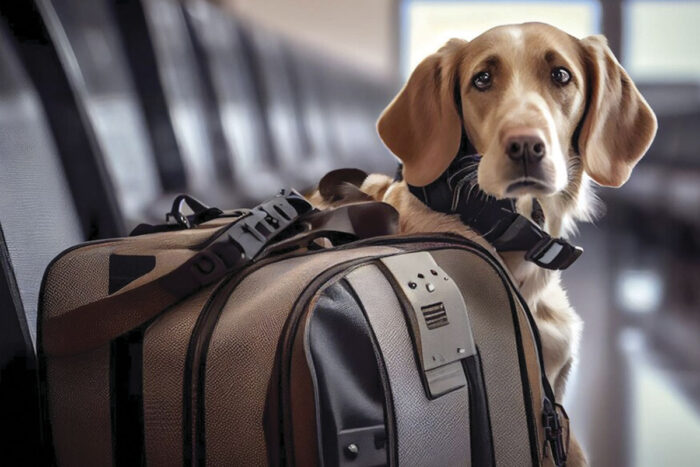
[[536, 103]]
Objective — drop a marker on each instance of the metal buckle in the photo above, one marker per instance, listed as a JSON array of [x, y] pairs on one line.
[[553, 253]]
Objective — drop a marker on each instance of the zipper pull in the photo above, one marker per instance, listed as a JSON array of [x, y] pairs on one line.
[[554, 435]]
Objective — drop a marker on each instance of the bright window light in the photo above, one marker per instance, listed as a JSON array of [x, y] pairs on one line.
[[427, 25], [639, 291], [662, 39]]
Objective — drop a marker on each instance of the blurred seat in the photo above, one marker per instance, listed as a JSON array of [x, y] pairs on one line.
[[194, 117], [179, 104], [37, 212], [354, 104], [38, 219], [217, 39], [88, 45], [77, 146], [271, 64], [307, 78], [140, 65], [666, 179]]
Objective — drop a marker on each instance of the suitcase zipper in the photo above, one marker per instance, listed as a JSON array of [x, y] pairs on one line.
[[193, 452]]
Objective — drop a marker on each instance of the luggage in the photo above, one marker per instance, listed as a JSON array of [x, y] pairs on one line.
[[244, 338]]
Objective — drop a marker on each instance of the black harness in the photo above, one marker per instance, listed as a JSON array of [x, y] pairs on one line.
[[456, 192]]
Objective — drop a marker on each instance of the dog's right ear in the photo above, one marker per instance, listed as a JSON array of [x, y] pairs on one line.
[[421, 125]]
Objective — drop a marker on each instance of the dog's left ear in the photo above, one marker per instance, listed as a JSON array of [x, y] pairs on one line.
[[619, 125]]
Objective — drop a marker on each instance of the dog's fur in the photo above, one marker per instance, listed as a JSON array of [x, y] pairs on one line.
[[595, 127]]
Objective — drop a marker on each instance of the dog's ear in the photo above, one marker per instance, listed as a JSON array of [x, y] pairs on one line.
[[618, 125], [421, 125]]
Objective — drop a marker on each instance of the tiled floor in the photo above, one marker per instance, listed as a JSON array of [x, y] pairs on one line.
[[628, 404]]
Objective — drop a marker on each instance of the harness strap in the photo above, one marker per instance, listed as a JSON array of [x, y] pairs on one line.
[[456, 192]]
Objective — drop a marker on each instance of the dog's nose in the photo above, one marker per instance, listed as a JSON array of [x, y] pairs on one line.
[[525, 148]]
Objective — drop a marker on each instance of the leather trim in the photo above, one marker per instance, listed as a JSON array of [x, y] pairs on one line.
[[48, 453]]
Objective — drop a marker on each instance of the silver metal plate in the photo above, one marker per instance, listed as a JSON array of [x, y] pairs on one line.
[[439, 320]]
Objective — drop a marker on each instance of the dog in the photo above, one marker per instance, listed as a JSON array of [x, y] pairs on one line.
[[549, 114]]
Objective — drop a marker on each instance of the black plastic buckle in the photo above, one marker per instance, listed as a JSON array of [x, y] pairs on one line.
[[553, 433], [254, 231], [553, 253], [238, 246]]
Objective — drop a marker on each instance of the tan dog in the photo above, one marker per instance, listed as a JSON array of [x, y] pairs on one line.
[[548, 112]]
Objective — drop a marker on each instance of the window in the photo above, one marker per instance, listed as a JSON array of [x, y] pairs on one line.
[[427, 25], [661, 40]]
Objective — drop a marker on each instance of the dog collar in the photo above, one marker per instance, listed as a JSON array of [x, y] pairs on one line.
[[456, 192]]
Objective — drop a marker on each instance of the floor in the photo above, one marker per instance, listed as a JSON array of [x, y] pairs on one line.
[[629, 403]]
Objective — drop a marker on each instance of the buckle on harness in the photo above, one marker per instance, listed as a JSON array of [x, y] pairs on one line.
[[553, 253]]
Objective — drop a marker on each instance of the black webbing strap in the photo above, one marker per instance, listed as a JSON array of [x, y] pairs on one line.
[[497, 220]]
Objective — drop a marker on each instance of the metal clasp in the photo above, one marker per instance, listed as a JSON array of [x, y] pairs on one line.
[[439, 320]]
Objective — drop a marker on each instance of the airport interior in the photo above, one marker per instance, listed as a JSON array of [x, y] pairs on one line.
[[111, 108]]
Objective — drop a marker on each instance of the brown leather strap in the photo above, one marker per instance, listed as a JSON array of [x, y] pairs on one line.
[[96, 323], [342, 225]]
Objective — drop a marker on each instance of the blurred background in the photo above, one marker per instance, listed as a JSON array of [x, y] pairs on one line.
[[110, 107]]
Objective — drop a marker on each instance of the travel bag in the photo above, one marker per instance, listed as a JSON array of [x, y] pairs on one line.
[[284, 335]]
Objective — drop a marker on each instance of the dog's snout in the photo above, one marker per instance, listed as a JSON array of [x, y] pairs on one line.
[[525, 148]]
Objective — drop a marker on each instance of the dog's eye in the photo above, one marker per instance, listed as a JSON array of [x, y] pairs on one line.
[[561, 75], [482, 80]]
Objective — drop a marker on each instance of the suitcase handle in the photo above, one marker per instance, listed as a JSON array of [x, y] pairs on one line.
[[201, 212], [250, 238], [340, 226]]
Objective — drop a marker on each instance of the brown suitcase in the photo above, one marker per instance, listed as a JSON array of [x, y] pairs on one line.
[[235, 338]]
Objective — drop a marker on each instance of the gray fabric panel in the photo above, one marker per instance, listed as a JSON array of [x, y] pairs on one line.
[[429, 432], [36, 208], [492, 323]]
